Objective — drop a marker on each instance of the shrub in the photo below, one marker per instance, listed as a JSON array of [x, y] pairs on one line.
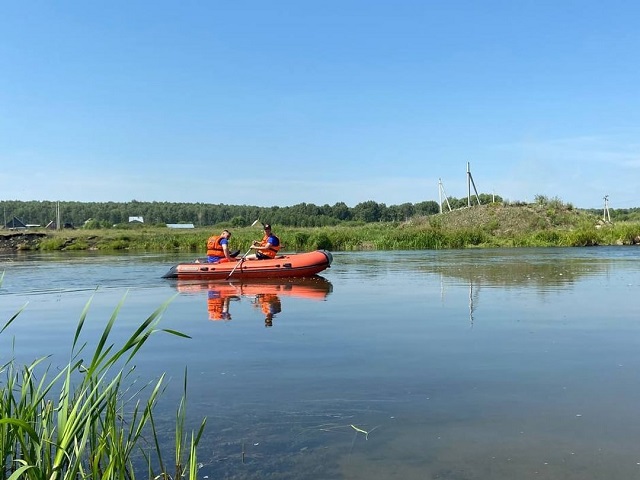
[[300, 240], [321, 241], [51, 244]]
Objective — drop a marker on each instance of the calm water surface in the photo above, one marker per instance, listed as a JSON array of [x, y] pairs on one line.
[[473, 364]]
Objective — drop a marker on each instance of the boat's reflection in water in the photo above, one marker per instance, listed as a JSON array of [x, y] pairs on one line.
[[264, 294]]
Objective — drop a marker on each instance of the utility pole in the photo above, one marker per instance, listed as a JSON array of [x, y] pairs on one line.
[[469, 183], [440, 193], [605, 215]]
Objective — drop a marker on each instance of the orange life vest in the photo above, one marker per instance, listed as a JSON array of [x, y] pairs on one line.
[[214, 248], [272, 251]]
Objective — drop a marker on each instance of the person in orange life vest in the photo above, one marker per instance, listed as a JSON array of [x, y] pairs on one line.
[[267, 247], [218, 248]]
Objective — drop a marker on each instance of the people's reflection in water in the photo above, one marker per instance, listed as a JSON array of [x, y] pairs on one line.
[[265, 295], [218, 304], [270, 305]]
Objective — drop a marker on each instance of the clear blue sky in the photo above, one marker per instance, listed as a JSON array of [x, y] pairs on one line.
[[282, 102]]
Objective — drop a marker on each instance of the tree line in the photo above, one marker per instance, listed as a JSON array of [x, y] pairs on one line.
[[108, 214], [618, 214]]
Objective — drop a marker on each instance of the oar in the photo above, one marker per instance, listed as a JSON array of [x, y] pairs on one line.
[[237, 263], [241, 258]]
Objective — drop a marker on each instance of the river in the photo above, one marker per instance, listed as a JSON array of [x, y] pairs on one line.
[[466, 364]]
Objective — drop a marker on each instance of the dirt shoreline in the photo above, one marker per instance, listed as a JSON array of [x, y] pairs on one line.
[[16, 241]]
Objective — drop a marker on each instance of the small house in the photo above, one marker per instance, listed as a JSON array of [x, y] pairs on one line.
[[15, 224]]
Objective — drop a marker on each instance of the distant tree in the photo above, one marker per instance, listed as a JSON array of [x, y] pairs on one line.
[[540, 199], [429, 207], [405, 211], [486, 198], [341, 211], [238, 222], [457, 203], [368, 211]]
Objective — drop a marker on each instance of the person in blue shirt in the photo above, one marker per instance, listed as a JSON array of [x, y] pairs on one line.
[[267, 247]]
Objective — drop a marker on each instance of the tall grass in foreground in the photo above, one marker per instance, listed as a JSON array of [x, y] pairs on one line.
[[85, 421]]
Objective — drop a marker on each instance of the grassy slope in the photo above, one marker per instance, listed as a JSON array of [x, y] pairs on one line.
[[538, 225], [505, 221]]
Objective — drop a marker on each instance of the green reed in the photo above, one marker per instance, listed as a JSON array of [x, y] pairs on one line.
[[86, 421]]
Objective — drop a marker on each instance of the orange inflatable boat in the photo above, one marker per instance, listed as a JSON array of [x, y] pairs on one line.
[[282, 266]]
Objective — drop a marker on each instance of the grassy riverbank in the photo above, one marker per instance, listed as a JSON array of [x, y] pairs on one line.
[[493, 225]]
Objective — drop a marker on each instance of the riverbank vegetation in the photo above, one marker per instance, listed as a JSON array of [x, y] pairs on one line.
[[544, 223], [88, 419]]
